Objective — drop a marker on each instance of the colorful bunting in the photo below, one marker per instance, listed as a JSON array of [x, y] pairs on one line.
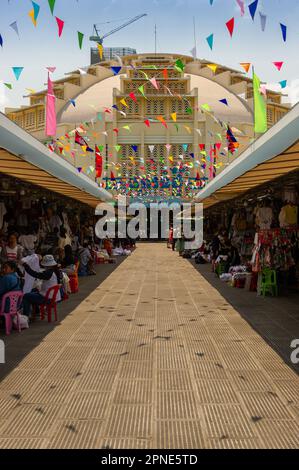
[[52, 5], [179, 65], [80, 39], [278, 65], [224, 101], [213, 67], [51, 123], [210, 40], [263, 21], [17, 71], [246, 66], [60, 24], [230, 26], [252, 8], [242, 6], [133, 97], [260, 107], [283, 31], [283, 83], [154, 83], [116, 70], [100, 50], [14, 26]]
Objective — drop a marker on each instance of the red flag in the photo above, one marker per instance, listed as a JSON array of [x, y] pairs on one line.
[[278, 65], [147, 123], [230, 26], [51, 122], [165, 74], [133, 97], [60, 24], [99, 162], [112, 175]]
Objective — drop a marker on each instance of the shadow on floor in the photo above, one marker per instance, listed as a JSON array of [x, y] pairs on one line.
[[276, 319], [17, 346]]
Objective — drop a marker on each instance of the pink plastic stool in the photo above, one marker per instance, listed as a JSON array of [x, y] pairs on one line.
[[14, 299]]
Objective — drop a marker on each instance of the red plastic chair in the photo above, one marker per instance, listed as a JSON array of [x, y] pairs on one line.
[[50, 303], [14, 299]]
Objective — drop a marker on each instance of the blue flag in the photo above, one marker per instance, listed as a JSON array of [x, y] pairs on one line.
[[252, 8], [283, 31]]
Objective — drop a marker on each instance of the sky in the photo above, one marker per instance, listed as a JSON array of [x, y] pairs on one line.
[[39, 47]]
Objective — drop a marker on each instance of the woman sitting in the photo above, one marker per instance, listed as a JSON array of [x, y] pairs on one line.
[[50, 277], [9, 281]]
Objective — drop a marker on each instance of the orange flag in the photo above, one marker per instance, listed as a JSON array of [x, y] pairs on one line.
[[246, 66]]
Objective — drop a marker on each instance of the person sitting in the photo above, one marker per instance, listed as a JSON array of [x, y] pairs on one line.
[[68, 261], [50, 277], [86, 261], [9, 281], [12, 251]]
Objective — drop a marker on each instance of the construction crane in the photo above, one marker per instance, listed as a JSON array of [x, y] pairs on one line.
[[99, 39]]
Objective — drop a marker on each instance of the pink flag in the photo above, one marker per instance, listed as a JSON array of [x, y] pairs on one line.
[[60, 24], [50, 110], [242, 6]]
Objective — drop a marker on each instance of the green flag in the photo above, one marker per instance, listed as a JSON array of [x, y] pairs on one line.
[[52, 5], [260, 108], [80, 39]]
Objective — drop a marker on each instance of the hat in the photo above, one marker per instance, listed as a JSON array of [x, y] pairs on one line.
[[48, 261]]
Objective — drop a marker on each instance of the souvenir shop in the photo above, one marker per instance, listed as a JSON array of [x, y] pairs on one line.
[[263, 227], [28, 208]]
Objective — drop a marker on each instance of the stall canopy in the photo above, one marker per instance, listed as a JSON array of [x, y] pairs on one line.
[[271, 156], [24, 157]]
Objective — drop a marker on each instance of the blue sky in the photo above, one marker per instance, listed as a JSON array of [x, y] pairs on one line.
[[40, 47]]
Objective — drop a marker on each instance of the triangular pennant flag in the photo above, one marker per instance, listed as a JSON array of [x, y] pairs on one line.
[[73, 103], [80, 39], [31, 14], [210, 40], [14, 26], [51, 69], [242, 6], [173, 116], [283, 31], [8, 85], [141, 90], [1, 41], [60, 24], [260, 108], [179, 65], [134, 148], [151, 148], [206, 107], [154, 83], [283, 83], [124, 103], [79, 168], [147, 123], [36, 9], [213, 67], [116, 70], [252, 8], [246, 66], [165, 74], [17, 71], [117, 147], [224, 101], [278, 65], [100, 50], [230, 26], [263, 21], [133, 97], [52, 5]]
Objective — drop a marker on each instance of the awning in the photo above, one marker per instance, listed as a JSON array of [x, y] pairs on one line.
[[271, 156], [23, 156]]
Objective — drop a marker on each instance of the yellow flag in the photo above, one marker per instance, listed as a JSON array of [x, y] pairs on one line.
[[100, 49], [123, 102], [173, 117], [213, 67], [32, 16]]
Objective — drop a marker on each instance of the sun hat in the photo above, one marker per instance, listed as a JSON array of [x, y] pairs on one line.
[[48, 261]]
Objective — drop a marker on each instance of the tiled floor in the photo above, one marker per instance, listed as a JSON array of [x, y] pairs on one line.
[[154, 357]]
